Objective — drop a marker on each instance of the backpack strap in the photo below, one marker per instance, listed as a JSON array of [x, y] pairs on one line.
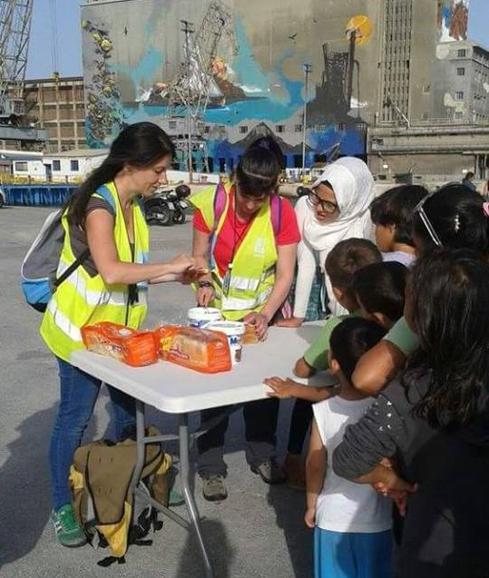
[[104, 192], [81, 259], [219, 204]]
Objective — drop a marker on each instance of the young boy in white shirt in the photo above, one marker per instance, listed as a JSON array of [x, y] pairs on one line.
[[352, 536]]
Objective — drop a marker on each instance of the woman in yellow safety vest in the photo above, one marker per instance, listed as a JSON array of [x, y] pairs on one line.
[[111, 284], [249, 247]]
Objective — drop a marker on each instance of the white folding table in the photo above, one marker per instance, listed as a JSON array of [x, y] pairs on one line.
[[177, 390]]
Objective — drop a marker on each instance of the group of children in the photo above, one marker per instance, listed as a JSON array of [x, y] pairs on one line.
[[353, 536]]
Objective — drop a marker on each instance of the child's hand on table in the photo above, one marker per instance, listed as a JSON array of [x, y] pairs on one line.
[[281, 388]]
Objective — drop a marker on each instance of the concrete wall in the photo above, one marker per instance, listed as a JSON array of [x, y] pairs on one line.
[[131, 51], [447, 166], [424, 38]]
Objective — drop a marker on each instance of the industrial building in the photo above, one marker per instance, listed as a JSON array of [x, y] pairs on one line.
[[58, 106]]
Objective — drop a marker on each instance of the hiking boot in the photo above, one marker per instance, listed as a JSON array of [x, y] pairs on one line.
[[270, 472], [68, 532], [295, 471], [213, 488]]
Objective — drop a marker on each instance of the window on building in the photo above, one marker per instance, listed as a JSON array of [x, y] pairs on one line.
[[243, 129], [461, 71], [21, 166], [459, 95], [56, 165], [459, 115], [462, 53], [426, 88], [74, 165], [298, 128], [280, 128], [172, 125]]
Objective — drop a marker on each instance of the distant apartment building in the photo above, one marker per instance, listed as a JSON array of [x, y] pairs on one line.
[[57, 105], [461, 83]]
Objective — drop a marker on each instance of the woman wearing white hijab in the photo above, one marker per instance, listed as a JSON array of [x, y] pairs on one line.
[[336, 209]]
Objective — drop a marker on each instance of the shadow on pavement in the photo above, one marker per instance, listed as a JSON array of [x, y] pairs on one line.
[[25, 486], [289, 506], [218, 546]]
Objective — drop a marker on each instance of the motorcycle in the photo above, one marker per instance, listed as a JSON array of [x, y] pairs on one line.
[[178, 198], [167, 206]]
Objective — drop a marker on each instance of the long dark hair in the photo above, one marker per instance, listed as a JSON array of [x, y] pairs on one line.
[[257, 172], [139, 145], [456, 214], [448, 298]]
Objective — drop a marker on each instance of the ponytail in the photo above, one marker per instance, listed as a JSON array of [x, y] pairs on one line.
[[77, 205]]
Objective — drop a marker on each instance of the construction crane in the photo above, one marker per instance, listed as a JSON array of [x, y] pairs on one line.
[[189, 93], [15, 27]]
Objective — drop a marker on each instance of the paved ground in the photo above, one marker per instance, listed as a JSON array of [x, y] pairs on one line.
[[257, 533]]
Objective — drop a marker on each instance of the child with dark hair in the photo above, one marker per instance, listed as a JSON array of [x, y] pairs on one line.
[[392, 214], [352, 535], [379, 290], [435, 421], [343, 261], [453, 217]]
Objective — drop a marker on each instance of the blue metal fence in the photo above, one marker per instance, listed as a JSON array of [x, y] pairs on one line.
[[37, 195]]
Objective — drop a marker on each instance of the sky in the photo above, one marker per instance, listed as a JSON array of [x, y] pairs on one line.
[[43, 59]]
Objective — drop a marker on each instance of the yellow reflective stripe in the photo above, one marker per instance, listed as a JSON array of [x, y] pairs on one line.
[[248, 284], [78, 282], [236, 303], [244, 284], [62, 322]]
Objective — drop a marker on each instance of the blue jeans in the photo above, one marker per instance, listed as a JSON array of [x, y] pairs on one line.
[[78, 394]]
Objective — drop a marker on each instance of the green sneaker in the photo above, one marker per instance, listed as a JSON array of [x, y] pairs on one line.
[[68, 531]]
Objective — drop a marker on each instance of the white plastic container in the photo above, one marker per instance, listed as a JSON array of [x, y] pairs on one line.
[[234, 330], [201, 316]]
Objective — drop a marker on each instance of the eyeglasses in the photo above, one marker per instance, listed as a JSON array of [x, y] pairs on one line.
[[426, 222], [315, 201]]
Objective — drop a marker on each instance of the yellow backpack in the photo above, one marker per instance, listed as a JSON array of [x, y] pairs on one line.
[[100, 478]]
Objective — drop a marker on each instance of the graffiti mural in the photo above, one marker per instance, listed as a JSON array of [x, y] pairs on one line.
[[453, 18], [145, 65], [105, 116]]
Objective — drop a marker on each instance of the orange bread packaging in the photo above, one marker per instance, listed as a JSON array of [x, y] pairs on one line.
[[133, 347], [199, 349]]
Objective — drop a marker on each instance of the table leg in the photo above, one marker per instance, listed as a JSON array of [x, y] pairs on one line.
[[140, 449], [187, 490]]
